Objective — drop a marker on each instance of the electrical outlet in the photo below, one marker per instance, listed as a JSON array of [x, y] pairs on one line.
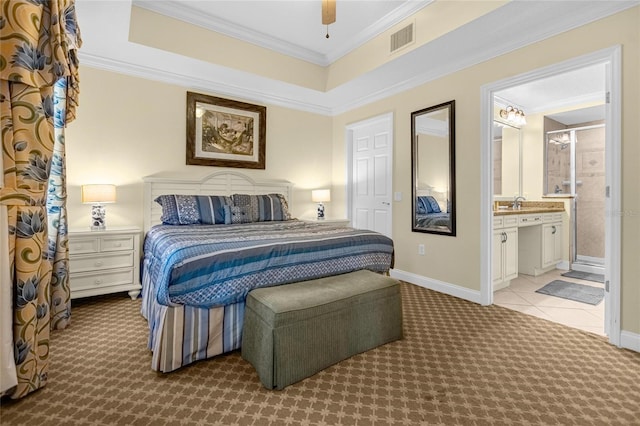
[[421, 249]]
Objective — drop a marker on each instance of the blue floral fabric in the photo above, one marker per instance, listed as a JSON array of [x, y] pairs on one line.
[[38, 94]]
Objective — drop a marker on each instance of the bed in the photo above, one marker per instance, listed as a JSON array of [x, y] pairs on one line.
[[433, 220], [196, 276]]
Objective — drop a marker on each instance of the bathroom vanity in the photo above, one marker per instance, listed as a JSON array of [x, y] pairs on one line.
[[528, 240]]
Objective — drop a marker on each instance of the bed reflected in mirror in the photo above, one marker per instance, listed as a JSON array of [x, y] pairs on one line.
[[433, 169]]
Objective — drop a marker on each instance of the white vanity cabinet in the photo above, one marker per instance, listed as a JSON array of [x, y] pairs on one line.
[[505, 250], [552, 241], [540, 247]]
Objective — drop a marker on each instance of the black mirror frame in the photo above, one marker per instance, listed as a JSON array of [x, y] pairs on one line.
[[452, 170]]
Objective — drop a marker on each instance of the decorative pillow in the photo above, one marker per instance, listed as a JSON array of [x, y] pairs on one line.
[[272, 207], [249, 203], [263, 208], [427, 204], [192, 209], [433, 204], [421, 205], [236, 214]]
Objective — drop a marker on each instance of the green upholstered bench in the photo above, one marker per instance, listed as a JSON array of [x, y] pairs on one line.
[[294, 331]]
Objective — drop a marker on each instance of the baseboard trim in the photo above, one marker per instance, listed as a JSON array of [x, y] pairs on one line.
[[440, 286], [629, 340]]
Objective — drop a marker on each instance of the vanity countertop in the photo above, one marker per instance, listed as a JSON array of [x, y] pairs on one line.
[[529, 207]]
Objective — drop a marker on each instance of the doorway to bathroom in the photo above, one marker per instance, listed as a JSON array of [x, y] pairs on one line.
[[608, 61], [575, 167]]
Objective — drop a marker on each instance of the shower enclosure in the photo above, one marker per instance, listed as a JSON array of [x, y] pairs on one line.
[[575, 166]]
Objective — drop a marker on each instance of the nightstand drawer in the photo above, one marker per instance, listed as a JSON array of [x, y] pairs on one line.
[[84, 245], [84, 263], [89, 281], [116, 243]]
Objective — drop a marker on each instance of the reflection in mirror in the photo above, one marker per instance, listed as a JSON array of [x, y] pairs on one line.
[[433, 169], [507, 161]]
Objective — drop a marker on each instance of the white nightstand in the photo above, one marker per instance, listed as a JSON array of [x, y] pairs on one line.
[[328, 221], [102, 262]]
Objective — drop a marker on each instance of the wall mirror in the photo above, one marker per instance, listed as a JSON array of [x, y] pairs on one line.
[[433, 169], [507, 161]]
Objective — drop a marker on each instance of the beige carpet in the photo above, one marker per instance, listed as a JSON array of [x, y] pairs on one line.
[[459, 363]]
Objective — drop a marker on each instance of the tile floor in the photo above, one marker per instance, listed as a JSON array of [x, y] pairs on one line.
[[521, 296]]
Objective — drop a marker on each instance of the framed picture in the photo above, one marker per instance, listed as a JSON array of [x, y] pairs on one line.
[[225, 133]]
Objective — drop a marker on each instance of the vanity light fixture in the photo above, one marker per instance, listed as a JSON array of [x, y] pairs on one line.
[[513, 116], [97, 195]]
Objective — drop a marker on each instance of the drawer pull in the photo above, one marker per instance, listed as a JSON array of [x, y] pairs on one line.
[[98, 263], [98, 281], [118, 244]]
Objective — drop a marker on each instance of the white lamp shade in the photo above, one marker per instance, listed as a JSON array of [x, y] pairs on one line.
[[321, 195], [98, 194]]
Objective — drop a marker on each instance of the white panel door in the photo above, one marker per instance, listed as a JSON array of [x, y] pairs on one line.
[[372, 175]]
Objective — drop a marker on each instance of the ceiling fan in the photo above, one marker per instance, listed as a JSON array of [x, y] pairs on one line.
[[328, 13]]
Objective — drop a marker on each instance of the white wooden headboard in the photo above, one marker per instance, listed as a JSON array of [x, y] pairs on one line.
[[218, 183]]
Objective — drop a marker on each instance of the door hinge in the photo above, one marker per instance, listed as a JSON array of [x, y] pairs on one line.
[[606, 286], [607, 191], [608, 97]]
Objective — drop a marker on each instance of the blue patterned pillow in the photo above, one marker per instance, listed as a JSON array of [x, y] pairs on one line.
[[433, 204], [263, 208], [236, 214], [427, 204], [192, 209], [421, 205], [272, 207], [249, 203]]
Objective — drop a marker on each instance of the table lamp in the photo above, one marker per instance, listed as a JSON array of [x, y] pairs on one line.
[[97, 195], [321, 196]]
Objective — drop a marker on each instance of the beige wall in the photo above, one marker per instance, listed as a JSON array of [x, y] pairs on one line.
[[445, 255], [128, 128]]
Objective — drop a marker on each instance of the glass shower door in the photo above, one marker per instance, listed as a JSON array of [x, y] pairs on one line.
[[575, 166], [590, 200]]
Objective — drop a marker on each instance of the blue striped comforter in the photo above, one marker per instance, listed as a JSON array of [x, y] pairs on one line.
[[217, 265]]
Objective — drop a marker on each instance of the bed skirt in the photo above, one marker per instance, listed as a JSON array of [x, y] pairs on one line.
[[181, 335]]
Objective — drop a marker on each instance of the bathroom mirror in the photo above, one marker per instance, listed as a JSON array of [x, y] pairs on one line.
[[507, 161], [433, 169]]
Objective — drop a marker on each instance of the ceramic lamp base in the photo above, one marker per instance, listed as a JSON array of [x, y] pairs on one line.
[[320, 211], [98, 214]]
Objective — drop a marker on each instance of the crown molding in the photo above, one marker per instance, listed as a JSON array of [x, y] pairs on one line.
[[172, 9], [471, 44], [197, 83]]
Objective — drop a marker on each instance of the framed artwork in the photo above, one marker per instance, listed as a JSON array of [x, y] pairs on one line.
[[225, 133]]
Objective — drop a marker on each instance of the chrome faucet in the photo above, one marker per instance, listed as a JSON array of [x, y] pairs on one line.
[[517, 202]]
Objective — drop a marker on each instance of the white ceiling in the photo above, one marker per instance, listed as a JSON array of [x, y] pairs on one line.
[[561, 91], [294, 27]]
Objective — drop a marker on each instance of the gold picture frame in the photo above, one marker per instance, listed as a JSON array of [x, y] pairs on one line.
[[225, 133]]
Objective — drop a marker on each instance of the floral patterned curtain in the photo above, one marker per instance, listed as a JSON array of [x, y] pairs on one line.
[[38, 93]]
